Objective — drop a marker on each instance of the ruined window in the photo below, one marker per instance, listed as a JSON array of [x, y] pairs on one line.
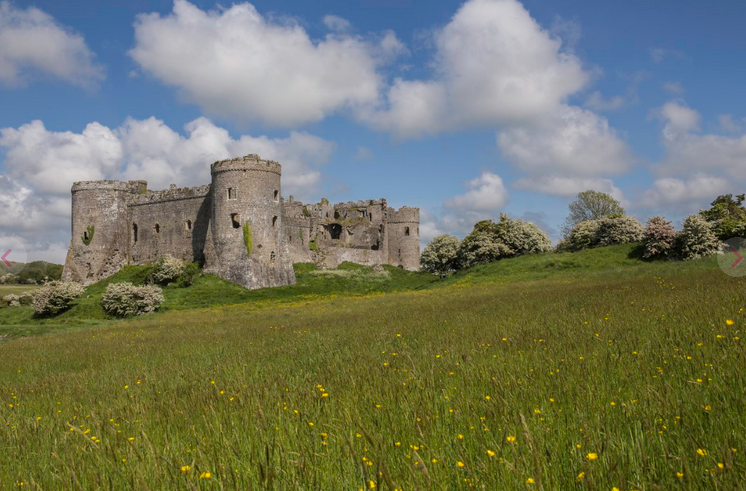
[[231, 193], [188, 225], [335, 230], [371, 216], [85, 236], [157, 228], [336, 214], [406, 230], [277, 195], [134, 232], [235, 220], [272, 256], [290, 238], [274, 222]]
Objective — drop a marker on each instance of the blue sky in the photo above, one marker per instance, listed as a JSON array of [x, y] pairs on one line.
[[466, 109]]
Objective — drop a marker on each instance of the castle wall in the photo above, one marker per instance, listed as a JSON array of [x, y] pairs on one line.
[[404, 237], [238, 227], [246, 201], [172, 222], [98, 247]]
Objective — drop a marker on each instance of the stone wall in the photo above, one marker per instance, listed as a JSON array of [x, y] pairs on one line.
[[238, 227]]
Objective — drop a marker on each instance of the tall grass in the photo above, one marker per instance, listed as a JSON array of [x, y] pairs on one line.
[[632, 379]]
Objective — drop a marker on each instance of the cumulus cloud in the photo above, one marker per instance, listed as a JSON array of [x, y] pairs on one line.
[[658, 55], [597, 102], [41, 165], [336, 23], [674, 191], [573, 141], [674, 88], [569, 186], [235, 62], [32, 43], [485, 193], [494, 64], [679, 119]]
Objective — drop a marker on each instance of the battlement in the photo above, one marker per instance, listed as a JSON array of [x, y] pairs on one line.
[[405, 214], [251, 162], [134, 187], [172, 194]]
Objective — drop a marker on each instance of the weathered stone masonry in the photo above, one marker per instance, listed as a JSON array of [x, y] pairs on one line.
[[239, 227]]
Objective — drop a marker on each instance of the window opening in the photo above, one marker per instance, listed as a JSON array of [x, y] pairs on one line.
[[235, 220]]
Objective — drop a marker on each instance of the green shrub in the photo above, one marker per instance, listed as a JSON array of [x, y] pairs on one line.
[[88, 237], [55, 297], [125, 299], [313, 245], [12, 300], [618, 229], [166, 270]]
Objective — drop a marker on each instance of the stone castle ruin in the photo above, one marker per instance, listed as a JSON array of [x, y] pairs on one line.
[[239, 227]]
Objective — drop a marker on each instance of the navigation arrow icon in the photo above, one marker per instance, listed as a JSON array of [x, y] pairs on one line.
[[5, 256], [740, 258]]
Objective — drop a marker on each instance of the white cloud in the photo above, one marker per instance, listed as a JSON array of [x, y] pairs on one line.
[[235, 62], [728, 124], [679, 119], [691, 192], [569, 186], [51, 161], [363, 153], [486, 193], [572, 141], [660, 54], [674, 88], [41, 165], [33, 42], [336, 23], [597, 102], [494, 64]]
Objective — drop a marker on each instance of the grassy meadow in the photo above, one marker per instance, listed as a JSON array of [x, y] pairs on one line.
[[587, 371]]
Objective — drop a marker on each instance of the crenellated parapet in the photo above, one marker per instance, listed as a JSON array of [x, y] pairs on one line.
[[250, 162], [405, 214]]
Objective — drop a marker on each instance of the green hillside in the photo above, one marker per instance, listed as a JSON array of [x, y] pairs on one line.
[[592, 370]]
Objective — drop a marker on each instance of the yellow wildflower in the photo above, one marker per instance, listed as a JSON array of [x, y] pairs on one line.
[[510, 438], [592, 456], [491, 453], [701, 452], [205, 475], [459, 464]]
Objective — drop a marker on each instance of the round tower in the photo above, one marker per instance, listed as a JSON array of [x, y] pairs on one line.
[[248, 239], [403, 230], [100, 238]]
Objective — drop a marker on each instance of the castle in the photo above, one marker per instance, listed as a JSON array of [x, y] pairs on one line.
[[239, 227]]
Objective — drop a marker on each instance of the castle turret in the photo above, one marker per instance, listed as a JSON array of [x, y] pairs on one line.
[[247, 232], [99, 229], [403, 230]]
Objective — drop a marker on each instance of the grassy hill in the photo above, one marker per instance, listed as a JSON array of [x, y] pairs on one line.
[[36, 271], [560, 371]]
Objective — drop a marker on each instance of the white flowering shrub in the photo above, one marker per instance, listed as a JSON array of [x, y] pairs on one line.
[[658, 239], [481, 247], [126, 299], [697, 238], [55, 297], [522, 237], [618, 229], [167, 269], [11, 300], [8, 279], [441, 255], [26, 298], [582, 236]]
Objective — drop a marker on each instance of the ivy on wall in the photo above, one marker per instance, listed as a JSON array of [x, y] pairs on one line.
[[247, 238], [88, 235]]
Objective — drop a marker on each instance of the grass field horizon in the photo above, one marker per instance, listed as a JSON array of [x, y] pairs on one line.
[[591, 370]]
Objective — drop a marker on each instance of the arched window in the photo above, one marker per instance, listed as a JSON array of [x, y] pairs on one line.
[[277, 195], [188, 225], [236, 220], [274, 221]]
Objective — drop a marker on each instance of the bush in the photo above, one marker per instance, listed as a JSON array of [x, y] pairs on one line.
[[481, 247], [618, 229], [55, 297], [441, 255], [582, 236], [126, 299], [188, 275], [696, 238], [507, 238], [12, 300], [658, 239], [166, 270]]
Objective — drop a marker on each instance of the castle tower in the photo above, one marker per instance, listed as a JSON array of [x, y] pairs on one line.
[[247, 233], [99, 229], [403, 226]]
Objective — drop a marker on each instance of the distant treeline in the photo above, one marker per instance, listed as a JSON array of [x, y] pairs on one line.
[[33, 273]]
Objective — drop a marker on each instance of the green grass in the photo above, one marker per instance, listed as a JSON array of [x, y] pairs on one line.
[[578, 354], [15, 289]]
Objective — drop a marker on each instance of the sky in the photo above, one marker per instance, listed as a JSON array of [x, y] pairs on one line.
[[464, 109]]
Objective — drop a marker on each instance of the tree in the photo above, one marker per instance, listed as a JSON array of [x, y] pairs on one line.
[[659, 238], [591, 205], [727, 216], [490, 241], [441, 255], [696, 238]]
